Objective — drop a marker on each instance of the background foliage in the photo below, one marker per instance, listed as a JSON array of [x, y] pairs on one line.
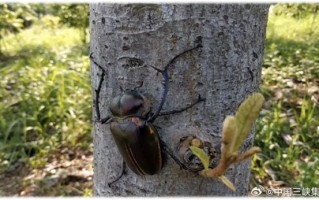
[[45, 107], [45, 100], [288, 128]]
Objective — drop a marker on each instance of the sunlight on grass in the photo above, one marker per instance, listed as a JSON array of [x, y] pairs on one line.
[[55, 40], [294, 29], [45, 95], [287, 130]]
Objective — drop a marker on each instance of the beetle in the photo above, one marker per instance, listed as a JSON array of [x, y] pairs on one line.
[[132, 125], [136, 138]]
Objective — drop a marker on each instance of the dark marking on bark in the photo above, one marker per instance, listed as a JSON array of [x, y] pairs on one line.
[[140, 84], [174, 38], [198, 39], [130, 62], [125, 48], [251, 74], [103, 20], [93, 22], [106, 46]]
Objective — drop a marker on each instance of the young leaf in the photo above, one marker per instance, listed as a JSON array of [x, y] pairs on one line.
[[227, 182], [229, 132], [246, 116], [203, 157]]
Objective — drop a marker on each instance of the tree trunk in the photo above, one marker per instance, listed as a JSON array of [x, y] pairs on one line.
[[224, 71]]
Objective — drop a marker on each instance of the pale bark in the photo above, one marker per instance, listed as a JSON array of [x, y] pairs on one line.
[[224, 71]]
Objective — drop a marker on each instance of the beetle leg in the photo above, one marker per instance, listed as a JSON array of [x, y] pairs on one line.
[[123, 171], [170, 153], [200, 99], [177, 161], [97, 96], [97, 64], [165, 81], [179, 55], [105, 120], [164, 95]]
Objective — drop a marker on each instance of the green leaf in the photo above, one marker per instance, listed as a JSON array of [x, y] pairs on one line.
[[203, 157], [227, 182], [246, 115], [229, 132]]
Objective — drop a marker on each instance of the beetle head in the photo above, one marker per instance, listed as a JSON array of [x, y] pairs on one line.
[[130, 102]]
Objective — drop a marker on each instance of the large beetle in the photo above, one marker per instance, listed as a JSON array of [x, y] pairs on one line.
[[136, 138], [131, 125]]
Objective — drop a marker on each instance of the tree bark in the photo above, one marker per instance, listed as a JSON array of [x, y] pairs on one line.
[[224, 71]]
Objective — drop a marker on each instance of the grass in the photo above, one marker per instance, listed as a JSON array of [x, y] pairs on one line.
[[45, 95], [288, 128]]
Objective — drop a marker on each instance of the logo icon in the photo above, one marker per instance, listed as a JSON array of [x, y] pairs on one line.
[[256, 191]]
